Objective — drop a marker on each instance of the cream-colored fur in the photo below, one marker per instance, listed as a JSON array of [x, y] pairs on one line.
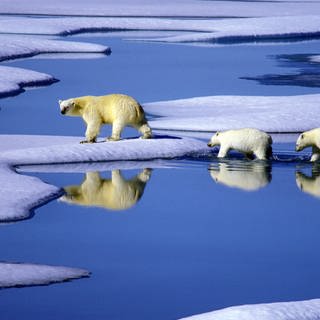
[[310, 185], [310, 138], [119, 110], [247, 141], [248, 176], [115, 193]]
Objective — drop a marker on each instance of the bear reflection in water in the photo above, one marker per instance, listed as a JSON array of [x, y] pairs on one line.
[[309, 184], [116, 193], [248, 176]]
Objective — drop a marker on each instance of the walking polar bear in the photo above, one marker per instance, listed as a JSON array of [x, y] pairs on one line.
[[247, 141], [310, 138], [119, 110]]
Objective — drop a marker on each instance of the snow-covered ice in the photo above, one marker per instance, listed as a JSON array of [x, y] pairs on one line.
[[268, 21], [254, 29], [20, 193], [165, 8], [17, 46], [295, 310], [24, 274], [204, 30], [13, 80], [269, 113]]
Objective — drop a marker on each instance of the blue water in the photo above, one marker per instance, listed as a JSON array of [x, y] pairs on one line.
[[189, 244], [149, 72]]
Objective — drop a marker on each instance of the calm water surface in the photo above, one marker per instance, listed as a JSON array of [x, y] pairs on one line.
[[192, 238]]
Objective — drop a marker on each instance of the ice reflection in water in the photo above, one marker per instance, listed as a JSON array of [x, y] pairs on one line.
[[116, 193], [245, 175]]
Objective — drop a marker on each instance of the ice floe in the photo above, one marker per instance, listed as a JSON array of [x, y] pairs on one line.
[[204, 30], [254, 29], [213, 113], [23, 274], [13, 80], [296, 310], [13, 47], [20, 193], [166, 8], [268, 21]]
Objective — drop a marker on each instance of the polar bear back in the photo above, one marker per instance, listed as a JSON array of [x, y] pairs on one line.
[[113, 107], [247, 139]]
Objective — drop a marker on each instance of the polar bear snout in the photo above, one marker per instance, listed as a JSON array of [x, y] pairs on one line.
[[210, 144]]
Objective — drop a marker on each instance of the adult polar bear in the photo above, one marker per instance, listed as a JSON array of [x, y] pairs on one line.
[[117, 109]]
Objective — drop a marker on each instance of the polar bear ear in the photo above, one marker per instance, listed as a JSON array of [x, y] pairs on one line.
[[217, 133], [60, 101], [302, 136]]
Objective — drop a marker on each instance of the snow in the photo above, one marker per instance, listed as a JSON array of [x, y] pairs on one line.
[[269, 113], [23, 36], [297, 310], [165, 8], [13, 80], [129, 149], [315, 59], [253, 29], [18, 46], [23, 274], [20, 193], [204, 30]]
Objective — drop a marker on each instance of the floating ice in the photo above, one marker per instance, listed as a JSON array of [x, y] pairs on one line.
[[254, 29], [19, 193], [298, 310], [165, 8], [271, 114], [217, 31], [13, 47], [23, 274], [13, 80]]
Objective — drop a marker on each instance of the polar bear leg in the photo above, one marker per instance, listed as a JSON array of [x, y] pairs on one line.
[[144, 175], [145, 130], [92, 132], [315, 154], [223, 152], [117, 128], [261, 154]]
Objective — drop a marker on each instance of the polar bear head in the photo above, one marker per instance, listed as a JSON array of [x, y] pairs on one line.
[[215, 140], [66, 106], [303, 141]]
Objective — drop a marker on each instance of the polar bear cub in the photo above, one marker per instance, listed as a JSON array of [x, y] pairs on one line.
[[310, 138], [247, 141], [119, 110]]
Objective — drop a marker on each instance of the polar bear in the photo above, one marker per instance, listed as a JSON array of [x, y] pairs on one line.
[[116, 193], [247, 141], [310, 138], [247, 176], [117, 109], [307, 184]]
